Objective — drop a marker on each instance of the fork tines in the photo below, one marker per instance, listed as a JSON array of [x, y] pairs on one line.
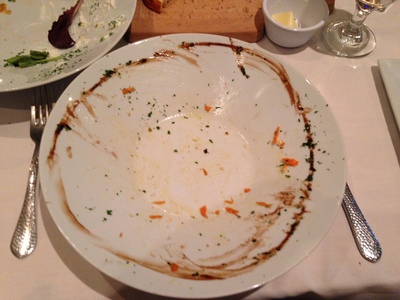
[[42, 104]]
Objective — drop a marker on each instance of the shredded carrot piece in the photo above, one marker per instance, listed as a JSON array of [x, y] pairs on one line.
[[276, 140], [128, 90], [231, 201], [262, 203], [231, 210], [203, 211], [174, 267], [290, 162], [207, 107], [120, 234], [247, 190], [205, 172], [217, 212], [276, 135], [155, 217], [159, 202]]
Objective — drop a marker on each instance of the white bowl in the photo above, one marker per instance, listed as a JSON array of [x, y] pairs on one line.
[[310, 16]]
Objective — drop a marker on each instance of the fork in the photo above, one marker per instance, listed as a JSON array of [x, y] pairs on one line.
[[24, 239]]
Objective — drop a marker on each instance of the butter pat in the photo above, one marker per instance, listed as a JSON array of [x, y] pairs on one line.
[[285, 18]]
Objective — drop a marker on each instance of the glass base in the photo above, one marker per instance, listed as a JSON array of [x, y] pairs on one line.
[[343, 45]]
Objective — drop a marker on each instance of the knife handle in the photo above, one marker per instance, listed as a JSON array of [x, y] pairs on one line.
[[366, 241]]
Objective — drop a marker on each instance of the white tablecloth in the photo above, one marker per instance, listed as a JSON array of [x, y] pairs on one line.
[[355, 92]]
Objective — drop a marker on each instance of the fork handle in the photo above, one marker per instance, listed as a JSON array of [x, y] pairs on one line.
[[366, 241], [25, 235]]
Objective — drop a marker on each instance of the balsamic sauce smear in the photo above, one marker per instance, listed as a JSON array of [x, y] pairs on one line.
[[222, 271]]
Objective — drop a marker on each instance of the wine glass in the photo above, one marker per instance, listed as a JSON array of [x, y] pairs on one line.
[[353, 38]]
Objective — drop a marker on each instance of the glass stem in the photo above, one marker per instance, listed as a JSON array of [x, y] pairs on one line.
[[353, 32]]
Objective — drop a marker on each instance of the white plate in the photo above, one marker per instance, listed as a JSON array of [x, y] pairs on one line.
[[390, 71], [96, 28], [125, 176]]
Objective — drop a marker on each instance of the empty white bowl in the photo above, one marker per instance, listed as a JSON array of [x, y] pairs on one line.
[[310, 15]]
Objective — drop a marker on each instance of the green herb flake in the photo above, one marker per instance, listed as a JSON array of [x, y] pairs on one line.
[[108, 73], [112, 24]]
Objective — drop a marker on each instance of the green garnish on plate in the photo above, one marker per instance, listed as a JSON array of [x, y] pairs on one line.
[[34, 58]]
